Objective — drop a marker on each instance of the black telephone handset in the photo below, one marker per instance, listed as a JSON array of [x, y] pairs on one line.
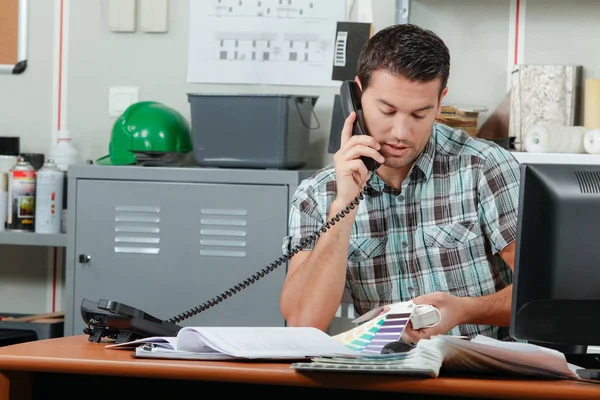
[[350, 95], [124, 323]]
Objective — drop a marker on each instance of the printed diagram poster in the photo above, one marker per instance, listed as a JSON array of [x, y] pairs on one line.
[[276, 42]]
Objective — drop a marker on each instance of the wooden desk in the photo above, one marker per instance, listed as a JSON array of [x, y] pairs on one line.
[[66, 362]]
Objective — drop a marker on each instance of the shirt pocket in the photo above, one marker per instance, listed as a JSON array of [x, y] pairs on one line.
[[367, 271], [450, 249], [451, 236]]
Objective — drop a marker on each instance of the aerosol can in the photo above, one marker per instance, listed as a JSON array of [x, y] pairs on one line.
[[49, 198], [21, 197]]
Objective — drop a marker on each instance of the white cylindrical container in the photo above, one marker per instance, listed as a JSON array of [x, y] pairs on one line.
[[7, 162], [3, 199], [64, 154], [591, 141], [49, 199]]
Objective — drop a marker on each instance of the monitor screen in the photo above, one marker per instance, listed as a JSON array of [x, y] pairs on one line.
[[556, 285]]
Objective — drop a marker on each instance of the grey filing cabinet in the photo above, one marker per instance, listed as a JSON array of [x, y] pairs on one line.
[[167, 239]]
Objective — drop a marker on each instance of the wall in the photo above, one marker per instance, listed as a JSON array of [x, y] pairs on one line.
[[66, 86], [157, 64], [25, 100], [551, 39], [478, 33], [26, 111]]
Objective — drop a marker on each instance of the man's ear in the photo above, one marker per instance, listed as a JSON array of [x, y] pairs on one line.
[[444, 92], [357, 80]]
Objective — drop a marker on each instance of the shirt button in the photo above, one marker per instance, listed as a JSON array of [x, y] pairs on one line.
[[404, 243], [401, 198], [411, 289]]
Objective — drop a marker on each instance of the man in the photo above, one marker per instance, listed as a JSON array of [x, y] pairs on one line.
[[437, 224]]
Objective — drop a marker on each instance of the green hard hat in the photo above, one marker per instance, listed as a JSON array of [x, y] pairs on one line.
[[147, 129]]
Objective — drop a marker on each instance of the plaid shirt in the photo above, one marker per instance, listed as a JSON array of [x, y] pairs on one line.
[[441, 231]]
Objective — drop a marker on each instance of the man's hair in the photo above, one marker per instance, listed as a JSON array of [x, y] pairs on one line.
[[405, 50]]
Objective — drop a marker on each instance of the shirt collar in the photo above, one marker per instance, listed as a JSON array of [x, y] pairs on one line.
[[424, 163]]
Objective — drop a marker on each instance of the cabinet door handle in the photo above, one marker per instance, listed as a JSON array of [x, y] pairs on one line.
[[84, 258]]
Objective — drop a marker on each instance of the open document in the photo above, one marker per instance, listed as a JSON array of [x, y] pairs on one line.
[[453, 355], [223, 343]]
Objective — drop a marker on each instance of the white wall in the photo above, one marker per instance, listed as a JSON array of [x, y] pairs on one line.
[[26, 111], [565, 33], [478, 65], [157, 64], [478, 33], [26, 99]]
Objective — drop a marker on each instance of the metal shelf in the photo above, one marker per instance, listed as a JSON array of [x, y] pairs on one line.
[[556, 158], [33, 239]]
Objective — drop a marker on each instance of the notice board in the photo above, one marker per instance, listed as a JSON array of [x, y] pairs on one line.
[[13, 36]]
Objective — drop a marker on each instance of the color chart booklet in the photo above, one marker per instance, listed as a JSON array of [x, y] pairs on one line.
[[228, 343], [443, 353]]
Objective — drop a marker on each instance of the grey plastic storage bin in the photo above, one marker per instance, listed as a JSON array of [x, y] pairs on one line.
[[251, 131]]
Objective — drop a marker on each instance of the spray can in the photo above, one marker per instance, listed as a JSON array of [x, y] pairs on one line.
[[21, 197], [49, 198]]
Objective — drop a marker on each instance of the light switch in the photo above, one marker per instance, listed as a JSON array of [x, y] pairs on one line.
[[121, 15], [154, 15], [119, 98]]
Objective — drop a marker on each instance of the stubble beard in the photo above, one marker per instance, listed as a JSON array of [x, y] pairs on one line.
[[401, 162]]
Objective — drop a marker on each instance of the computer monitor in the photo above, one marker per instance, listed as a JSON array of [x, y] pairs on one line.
[[556, 282]]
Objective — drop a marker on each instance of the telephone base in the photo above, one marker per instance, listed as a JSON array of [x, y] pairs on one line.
[[121, 322], [97, 334]]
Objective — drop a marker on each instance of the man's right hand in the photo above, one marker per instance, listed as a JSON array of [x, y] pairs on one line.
[[351, 173]]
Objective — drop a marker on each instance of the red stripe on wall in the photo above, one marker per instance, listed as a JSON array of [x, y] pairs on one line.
[[518, 6], [59, 125]]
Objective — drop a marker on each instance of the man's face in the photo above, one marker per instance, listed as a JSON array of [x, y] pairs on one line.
[[399, 114]]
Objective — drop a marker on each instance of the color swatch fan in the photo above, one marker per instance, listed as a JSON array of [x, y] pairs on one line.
[[371, 336]]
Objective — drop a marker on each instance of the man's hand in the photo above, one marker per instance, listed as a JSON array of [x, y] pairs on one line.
[[452, 310], [350, 172]]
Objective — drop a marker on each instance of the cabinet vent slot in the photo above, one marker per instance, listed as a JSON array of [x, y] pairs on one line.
[[137, 229], [223, 232]]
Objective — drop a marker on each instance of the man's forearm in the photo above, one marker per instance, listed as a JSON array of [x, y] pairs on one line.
[[313, 292], [493, 309]]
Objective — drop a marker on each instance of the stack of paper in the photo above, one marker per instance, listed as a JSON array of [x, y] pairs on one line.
[[487, 355], [226, 343], [450, 354]]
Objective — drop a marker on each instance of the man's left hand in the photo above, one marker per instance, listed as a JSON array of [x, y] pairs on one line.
[[452, 310]]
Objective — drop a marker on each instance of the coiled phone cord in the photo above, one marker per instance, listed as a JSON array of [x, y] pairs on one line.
[[269, 268]]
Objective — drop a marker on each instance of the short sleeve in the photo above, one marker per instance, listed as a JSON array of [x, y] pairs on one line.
[[307, 214], [499, 198]]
